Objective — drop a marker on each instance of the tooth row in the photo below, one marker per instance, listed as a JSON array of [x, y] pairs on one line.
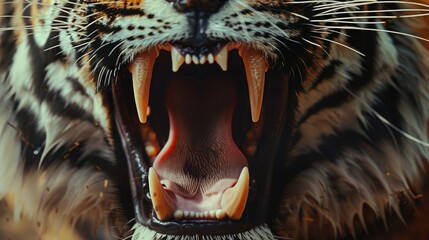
[[177, 59], [233, 201], [199, 60], [212, 214], [254, 63]]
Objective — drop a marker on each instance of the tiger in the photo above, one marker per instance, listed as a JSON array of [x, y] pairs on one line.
[[213, 119]]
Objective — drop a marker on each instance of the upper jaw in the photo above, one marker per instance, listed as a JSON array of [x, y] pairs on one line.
[[255, 65]]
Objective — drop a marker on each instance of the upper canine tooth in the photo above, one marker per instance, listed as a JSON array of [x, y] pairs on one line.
[[177, 59], [222, 58], [256, 66], [161, 201], [141, 69], [234, 199]]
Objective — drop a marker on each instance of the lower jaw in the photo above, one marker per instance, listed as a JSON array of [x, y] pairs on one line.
[[261, 165]]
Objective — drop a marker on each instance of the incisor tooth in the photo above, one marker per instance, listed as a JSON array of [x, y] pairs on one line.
[[188, 59], [234, 199], [203, 59], [161, 201], [195, 60], [178, 214], [212, 213], [256, 66], [210, 58], [141, 70], [177, 59], [222, 58]]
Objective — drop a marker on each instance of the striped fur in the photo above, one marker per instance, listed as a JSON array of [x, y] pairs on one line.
[[358, 146]]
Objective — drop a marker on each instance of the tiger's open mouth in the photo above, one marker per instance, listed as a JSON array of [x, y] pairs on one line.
[[191, 121]]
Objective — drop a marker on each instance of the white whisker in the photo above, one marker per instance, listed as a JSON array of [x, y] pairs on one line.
[[375, 30], [371, 11], [371, 17], [340, 44], [315, 44]]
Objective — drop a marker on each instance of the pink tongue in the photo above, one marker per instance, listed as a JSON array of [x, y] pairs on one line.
[[200, 158]]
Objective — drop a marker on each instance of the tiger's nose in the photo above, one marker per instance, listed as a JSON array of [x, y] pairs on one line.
[[207, 6], [198, 13]]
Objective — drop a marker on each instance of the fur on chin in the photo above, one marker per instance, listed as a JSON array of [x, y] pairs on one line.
[[143, 233]]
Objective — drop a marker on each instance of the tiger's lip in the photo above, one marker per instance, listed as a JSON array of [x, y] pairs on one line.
[[254, 61]]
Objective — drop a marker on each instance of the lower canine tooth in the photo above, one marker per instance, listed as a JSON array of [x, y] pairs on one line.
[[161, 201], [256, 66], [234, 199], [141, 70]]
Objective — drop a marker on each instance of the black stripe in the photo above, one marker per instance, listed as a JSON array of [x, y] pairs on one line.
[[54, 53], [33, 145], [74, 154], [36, 57], [39, 60], [78, 87], [60, 106], [7, 38], [356, 82], [387, 107], [335, 99], [32, 139], [327, 73], [332, 147]]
